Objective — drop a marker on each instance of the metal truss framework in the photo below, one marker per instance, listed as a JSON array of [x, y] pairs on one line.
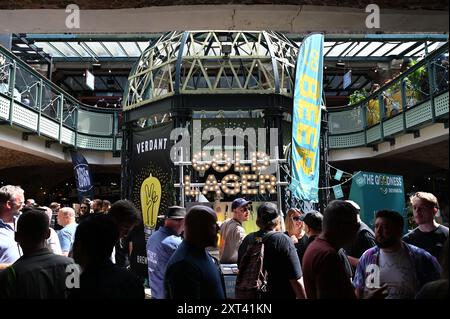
[[204, 62]]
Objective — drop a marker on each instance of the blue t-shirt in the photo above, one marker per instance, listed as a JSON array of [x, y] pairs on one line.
[[192, 274], [9, 248], [160, 247], [67, 236]]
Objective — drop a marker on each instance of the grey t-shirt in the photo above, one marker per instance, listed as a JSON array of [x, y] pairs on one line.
[[231, 236]]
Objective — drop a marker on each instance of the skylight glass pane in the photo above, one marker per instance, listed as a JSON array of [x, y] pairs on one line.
[[327, 47], [64, 49], [82, 51], [433, 46], [417, 51], [143, 45], [114, 48], [402, 48], [338, 49], [355, 49], [131, 48], [336, 82], [358, 84], [48, 49], [98, 49], [384, 49], [370, 48]]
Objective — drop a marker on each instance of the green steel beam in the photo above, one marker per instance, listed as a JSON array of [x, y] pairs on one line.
[[130, 37]]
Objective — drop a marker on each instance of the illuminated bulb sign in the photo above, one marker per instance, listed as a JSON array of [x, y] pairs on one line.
[[232, 184]]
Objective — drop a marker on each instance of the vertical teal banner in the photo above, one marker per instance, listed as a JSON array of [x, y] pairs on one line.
[[377, 191], [306, 118]]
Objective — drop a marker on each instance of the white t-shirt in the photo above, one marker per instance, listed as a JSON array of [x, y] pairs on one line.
[[397, 272], [52, 243]]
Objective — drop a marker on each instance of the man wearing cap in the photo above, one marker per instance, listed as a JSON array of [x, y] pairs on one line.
[[364, 240], [232, 233], [284, 274], [160, 247], [313, 227]]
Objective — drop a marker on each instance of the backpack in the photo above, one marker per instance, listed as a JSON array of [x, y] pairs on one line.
[[251, 280]]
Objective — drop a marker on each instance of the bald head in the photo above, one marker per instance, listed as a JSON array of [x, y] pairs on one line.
[[66, 216], [200, 226]]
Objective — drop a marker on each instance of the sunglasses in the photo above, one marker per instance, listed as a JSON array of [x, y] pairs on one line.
[[296, 219]]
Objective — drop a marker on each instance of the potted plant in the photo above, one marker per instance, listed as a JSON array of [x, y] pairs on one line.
[[357, 96], [414, 82]]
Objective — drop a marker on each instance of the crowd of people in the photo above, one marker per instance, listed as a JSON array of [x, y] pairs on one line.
[[321, 255]]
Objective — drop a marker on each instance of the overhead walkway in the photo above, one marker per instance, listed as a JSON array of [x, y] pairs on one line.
[[412, 108], [34, 107], [408, 112]]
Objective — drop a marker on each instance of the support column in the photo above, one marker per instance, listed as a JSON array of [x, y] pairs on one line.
[[324, 170], [181, 118], [273, 118]]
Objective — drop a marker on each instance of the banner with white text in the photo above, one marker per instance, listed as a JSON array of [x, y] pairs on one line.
[[83, 177], [151, 170], [306, 119]]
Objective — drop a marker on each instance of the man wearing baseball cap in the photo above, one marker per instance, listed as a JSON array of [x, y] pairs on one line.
[[160, 247], [232, 233]]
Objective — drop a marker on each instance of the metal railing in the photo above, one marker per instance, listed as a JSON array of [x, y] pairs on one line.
[[413, 99], [32, 102]]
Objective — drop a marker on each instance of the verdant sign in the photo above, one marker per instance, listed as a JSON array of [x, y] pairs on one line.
[[376, 191]]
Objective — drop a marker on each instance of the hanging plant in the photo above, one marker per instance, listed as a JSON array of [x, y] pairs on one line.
[[415, 79], [357, 96]]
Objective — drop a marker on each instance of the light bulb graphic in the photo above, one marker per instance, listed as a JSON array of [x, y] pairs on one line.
[[150, 200]]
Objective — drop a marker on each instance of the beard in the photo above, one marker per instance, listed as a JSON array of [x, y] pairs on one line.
[[387, 243]]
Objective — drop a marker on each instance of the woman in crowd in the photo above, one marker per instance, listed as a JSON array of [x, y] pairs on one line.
[[294, 229]]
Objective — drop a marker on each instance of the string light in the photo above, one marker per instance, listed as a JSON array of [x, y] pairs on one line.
[[237, 164], [270, 186], [246, 184], [187, 187], [235, 185], [217, 167], [260, 167], [201, 166], [211, 185]]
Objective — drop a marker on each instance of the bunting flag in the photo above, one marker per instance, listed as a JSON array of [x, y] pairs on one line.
[[83, 177], [307, 117], [338, 175]]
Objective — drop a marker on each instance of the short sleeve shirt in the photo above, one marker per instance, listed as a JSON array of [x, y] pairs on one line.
[[9, 248], [231, 236]]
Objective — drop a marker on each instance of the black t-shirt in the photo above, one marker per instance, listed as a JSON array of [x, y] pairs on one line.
[[107, 281], [432, 241], [365, 239], [300, 246], [280, 261], [138, 257]]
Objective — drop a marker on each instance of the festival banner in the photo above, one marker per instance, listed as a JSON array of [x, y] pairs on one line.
[[306, 118], [151, 171], [83, 177], [377, 191]]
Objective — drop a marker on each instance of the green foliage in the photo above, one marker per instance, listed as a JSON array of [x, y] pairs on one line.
[[417, 76], [357, 96]]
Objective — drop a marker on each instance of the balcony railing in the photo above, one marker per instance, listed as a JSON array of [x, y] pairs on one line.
[[415, 98], [30, 101]]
